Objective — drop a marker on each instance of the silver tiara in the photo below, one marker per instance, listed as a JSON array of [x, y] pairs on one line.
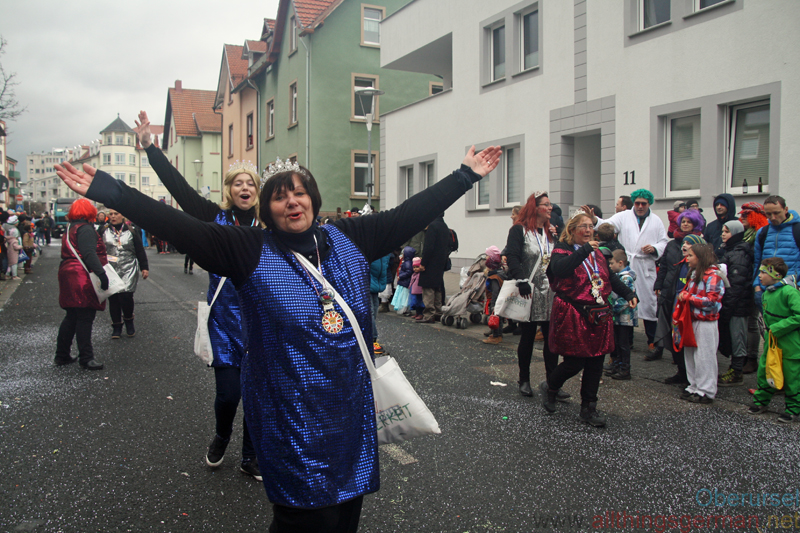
[[243, 165], [281, 166], [577, 212]]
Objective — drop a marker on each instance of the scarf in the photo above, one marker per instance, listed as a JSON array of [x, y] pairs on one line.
[[679, 235]]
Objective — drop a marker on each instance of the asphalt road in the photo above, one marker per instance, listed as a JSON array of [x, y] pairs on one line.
[[122, 449]]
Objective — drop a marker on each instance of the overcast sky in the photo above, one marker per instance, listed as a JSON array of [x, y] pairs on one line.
[[80, 63]]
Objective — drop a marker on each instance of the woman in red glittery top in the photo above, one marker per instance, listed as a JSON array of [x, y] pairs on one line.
[[579, 276]]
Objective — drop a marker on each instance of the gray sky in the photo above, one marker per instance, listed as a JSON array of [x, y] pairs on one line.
[[80, 63]]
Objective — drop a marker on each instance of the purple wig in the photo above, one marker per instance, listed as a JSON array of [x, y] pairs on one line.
[[694, 217]]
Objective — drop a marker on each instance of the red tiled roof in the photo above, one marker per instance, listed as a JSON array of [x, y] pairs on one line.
[[256, 46], [237, 67], [270, 24], [309, 10], [184, 103], [208, 122]]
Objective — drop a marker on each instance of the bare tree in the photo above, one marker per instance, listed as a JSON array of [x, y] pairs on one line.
[[9, 106]]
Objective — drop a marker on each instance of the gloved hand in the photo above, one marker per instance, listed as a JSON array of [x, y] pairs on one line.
[[524, 288], [104, 282]]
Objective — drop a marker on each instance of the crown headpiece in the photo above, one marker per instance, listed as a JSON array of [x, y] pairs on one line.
[[281, 166], [243, 165], [577, 212]]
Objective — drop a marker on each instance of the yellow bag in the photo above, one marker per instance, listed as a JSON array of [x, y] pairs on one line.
[[774, 366]]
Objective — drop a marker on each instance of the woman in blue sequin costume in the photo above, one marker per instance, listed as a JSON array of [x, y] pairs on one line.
[[239, 207], [306, 390]]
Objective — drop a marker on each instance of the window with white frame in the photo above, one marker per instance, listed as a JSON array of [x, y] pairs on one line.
[[360, 174], [271, 118], [653, 12], [371, 27], [482, 196], [292, 34], [293, 104], [748, 147], [120, 139], [119, 159], [430, 173], [529, 40], [683, 154], [106, 159], [145, 181], [408, 181], [129, 140], [362, 104], [498, 53], [132, 160], [435, 88], [120, 176], [108, 139], [132, 180], [145, 162], [249, 131], [512, 177], [702, 4]]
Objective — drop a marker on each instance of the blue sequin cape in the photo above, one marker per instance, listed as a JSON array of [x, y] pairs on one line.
[[307, 393]]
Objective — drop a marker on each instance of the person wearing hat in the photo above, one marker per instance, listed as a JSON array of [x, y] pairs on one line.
[[13, 245], [677, 208], [725, 210], [644, 237], [753, 218]]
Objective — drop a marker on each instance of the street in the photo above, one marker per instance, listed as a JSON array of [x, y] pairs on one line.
[[122, 449]]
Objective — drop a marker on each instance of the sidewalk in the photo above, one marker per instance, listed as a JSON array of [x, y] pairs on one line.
[[8, 287]]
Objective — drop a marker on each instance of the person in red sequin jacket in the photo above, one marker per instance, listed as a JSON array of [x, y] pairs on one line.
[[76, 294], [576, 260]]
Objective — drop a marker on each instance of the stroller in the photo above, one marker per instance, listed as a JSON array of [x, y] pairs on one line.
[[469, 301]]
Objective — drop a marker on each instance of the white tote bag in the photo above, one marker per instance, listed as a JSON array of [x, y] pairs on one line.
[[400, 412], [510, 304], [115, 283], [202, 339]]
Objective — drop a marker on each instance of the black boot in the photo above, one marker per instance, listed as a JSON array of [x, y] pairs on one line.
[[129, 329], [525, 388], [623, 372], [116, 332], [548, 397], [590, 415]]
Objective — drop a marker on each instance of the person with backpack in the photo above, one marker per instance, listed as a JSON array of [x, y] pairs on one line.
[[780, 238]]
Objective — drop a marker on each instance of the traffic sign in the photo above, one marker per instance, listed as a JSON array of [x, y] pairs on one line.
[[20, 208], [18, 198]]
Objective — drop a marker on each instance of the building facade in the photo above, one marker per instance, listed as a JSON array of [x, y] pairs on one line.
[[41, 183], [592, 100]]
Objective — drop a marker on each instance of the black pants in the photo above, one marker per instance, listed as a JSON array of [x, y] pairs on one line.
[[650, 327], [592, 372], [229, 393], [120, 306], [47, 235], [525, 350], [622, 346], [342, 518], [680, 361], [187, 262], [77, 324]]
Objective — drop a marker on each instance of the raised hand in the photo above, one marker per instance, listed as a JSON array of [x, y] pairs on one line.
[[75, 179], [589, 211], [483, 162], [143, 129]]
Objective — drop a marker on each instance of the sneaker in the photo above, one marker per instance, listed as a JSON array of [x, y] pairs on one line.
[[250, 467], [613, 370], [757, 409], [493, 340], [787, 418], [654, 355], [377, 348], [216, 451], [731, 378], [696, 398], [685, 395], [622, 374], [590, 415]]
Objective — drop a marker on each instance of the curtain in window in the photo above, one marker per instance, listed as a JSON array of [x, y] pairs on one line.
[[372, 26], [654, 12], [750, 138], [684, 156]]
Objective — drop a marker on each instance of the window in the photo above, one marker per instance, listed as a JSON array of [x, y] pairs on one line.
[[748, 147], [292, 35], [129, 139], [430, 174], [271, 119], [119, 139], [108, 139], [132, 160], [119, 159], [530, 40], [482, 196], [683, 154], [145, 181], [249, 131], [653, 12], [132, 180], [512, 182], [702, 4], [435, 88], [408, 180], [371, 28], [293, 104], [106, 159], [120, 176], [145, 162], [360, 174], [361, 104], [498, 53], [230, 140]]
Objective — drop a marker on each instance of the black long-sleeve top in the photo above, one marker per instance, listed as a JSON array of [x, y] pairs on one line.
[[189, 199], [86, 237], [564, 266], [234, 251]]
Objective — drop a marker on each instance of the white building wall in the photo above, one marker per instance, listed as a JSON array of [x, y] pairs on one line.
[[733, 52]]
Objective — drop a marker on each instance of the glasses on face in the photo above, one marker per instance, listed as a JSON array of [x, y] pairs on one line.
[[640, 204], [548, 204], [585, 226]]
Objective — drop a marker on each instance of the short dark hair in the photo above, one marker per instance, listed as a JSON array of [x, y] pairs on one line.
[[605, 232], [775, 199], [284, 181], [777, 263], [626, 201], [597, 211], [620, 255]]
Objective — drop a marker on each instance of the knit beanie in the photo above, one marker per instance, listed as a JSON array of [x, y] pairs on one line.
[[693, 239], [734, 226], [417, 261], [677, 205]]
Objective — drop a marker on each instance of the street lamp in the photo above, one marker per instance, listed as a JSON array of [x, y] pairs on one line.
[[198, 167], [371, 93]]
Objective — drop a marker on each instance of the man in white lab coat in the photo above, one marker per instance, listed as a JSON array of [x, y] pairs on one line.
[[644, 237]]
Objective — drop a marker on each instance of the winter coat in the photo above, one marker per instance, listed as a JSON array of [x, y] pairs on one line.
[[415, 288], [407, 267], [75, 288], [12, 245], [713, 232], [377, 274], [782, 317], [779, 243], [435, 252], [673, 222], [705, 297], [738, 299], [623, 314]]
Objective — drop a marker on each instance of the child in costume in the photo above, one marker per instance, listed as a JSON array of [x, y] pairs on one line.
[[495, 276], [415, 304], [625, 318], [781, 303]]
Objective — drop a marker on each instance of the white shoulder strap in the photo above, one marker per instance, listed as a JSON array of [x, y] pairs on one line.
[[222, 281], [66, 237]]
